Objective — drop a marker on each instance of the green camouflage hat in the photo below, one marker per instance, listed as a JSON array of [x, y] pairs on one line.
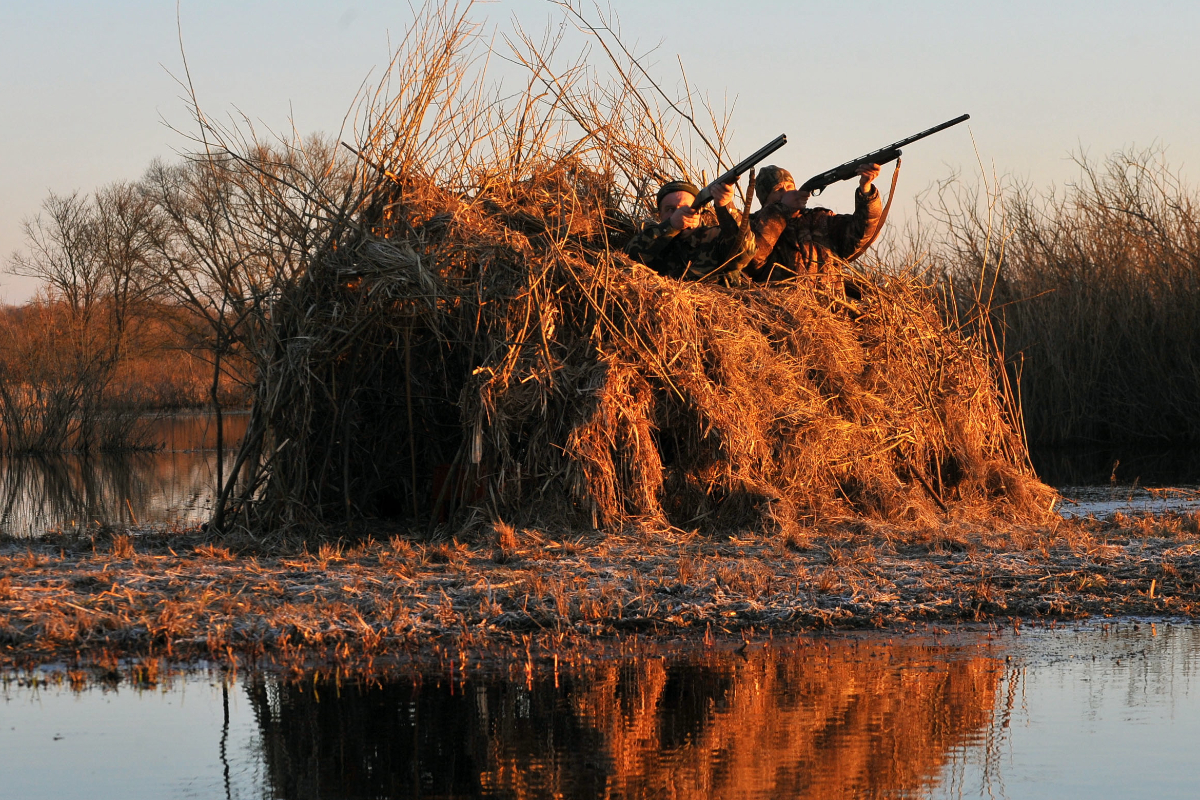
[[675, 186], [769, 179]]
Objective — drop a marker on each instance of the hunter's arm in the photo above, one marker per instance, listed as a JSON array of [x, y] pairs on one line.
[[736, 242], [767, 226], [650, 240], [848, 232]]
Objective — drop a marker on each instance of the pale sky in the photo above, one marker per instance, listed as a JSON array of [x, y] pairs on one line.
[[86, 87]]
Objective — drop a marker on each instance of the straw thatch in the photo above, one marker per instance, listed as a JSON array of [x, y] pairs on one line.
[[466, 340], [493, 352]]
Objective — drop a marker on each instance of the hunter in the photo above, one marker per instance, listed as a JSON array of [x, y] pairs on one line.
[[792, 239], [679, 245]]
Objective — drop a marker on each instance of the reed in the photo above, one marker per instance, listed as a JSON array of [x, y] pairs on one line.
[[1096, 287], [460, 340]]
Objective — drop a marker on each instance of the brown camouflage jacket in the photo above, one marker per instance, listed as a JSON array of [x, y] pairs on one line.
[[712, 252], [811, 241]]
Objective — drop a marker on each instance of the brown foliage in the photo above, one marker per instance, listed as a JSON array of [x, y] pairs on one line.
[[560, 382]]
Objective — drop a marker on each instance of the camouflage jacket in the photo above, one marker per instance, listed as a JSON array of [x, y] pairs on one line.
[[811, 241], [705, 252]]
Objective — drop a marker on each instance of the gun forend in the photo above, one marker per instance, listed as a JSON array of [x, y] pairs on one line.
[[883, 155], [739, 169]]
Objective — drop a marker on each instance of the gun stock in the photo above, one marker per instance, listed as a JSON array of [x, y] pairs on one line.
[[739, 169], [883, 155]]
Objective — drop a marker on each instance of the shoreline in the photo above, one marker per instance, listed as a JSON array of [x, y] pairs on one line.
[[388, 600]]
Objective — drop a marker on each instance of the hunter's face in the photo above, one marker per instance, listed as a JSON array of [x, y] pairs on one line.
[[672, 203], [783, 188]]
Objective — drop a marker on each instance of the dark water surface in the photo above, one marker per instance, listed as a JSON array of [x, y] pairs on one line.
[[1090, 712], [173, 484]]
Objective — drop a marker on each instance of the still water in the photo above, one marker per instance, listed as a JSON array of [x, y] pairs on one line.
[[173, 484], [1104, 501], [1089, 712]]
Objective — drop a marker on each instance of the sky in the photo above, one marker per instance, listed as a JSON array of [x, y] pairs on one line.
[[89, 91]]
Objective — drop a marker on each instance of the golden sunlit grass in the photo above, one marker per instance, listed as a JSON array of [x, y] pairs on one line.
[[465, 342], [180, 596]]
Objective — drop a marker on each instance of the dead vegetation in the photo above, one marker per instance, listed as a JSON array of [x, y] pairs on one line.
[[178, 596], [463, 343], [567, 444], [1095, 287]]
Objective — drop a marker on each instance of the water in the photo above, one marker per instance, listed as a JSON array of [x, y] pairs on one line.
[[1103, 481], [1088, 712], [1104, 501], [174, 484]]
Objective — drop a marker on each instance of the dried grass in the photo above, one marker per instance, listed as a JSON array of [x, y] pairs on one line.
[[179, 596], [467, 344], [1095, 285]]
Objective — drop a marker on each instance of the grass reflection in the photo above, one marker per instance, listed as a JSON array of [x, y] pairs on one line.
[[814, 719]]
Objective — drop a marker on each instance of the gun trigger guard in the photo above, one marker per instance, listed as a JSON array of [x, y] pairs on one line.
[[816, 192]]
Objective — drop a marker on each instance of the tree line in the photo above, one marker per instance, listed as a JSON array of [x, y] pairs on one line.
[[154, 294]]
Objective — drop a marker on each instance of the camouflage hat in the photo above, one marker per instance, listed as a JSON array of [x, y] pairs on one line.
[[769, 179], [675, 186]]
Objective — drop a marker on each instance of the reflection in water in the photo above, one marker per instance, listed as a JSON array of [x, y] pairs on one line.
[[813, 720], [74, 492], [1096, 712]]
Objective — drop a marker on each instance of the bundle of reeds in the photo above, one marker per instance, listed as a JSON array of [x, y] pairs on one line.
[[467, 341], [494, 352]]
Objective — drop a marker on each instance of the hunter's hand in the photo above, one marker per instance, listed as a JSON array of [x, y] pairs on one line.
[[795, 199], [722, 194], [866, 174], [685, 217]]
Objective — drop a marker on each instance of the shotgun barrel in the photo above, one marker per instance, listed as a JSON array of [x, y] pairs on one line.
[[739, 169], [881, 156]]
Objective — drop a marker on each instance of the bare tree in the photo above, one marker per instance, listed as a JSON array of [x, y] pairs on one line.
[[235, 227], [89, 252]]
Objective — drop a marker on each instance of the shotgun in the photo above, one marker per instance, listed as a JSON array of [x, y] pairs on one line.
[[739, 169], [881, 156]]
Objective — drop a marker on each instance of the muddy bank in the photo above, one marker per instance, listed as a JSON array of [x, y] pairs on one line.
[[388, 598]]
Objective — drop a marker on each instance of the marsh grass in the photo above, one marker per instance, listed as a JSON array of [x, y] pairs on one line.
[[1096, 290], [457, 340], [184, 597]]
